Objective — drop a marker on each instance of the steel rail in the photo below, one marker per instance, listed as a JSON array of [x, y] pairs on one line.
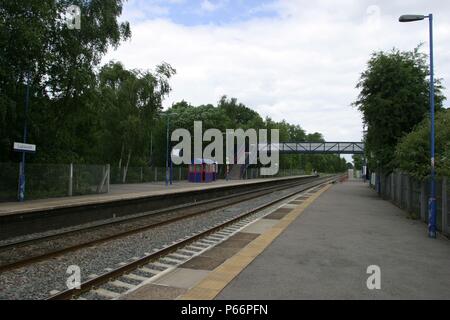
[[94, 282], [129, 219], [237, 198]]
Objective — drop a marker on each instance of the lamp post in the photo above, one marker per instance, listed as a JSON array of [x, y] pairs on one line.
[[432, 199], [227, 160], [168, 175], [22, 179], [365, 162]]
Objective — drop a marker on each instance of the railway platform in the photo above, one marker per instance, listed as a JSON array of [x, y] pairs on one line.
[[41, 216], [118, 192], [319, 248]]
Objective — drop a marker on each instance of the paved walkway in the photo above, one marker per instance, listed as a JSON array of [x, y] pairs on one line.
[[324, 254]]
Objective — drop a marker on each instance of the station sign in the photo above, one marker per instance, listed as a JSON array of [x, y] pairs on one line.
[[24, 147]]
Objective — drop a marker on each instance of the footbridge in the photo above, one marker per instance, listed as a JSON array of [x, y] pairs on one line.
[[315, 147], [244, 158]]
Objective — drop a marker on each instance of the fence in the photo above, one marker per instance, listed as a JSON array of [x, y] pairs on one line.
[[60, 180], [146, 174], [53, 180], [412, 195], [180, 173]]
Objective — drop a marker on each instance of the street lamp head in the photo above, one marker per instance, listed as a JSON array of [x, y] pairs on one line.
[[411, 17]]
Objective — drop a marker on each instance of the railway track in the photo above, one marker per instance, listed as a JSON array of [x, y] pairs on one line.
[[19, 254], [117, 281]]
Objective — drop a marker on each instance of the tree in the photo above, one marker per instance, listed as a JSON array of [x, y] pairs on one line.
[[209, 115], [358, 162], [130, 102], [86, 113], [413, 152], [240, 115], [394, 97], [38, 47]]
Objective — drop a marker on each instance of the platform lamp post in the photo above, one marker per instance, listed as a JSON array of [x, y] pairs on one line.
[[168, 174], [22, 179], [365, 164], [432, 199], [227, 159]]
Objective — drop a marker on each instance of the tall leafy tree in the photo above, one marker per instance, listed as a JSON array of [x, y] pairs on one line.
[[130, 102], [39, 48], [394, 97], [358, 162], [240, 115]]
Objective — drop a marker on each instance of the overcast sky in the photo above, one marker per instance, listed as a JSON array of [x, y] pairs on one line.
[[288, 59]]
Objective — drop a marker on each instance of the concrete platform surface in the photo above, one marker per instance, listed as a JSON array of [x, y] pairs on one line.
[[119, 192], [182, 278], [325, 254]]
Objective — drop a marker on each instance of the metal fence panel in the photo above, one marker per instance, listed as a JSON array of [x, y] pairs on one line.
[[447, 205], [412, 195], [9, 174], [87, 179], [45, 181], [439, 204], [415, 198], [146, 174], [404, 191]]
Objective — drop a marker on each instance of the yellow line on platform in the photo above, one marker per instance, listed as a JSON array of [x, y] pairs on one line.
[[220, 277]]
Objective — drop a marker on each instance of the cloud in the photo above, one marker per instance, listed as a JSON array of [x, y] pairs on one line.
[[208, 6], [301, 66], [141, 10]]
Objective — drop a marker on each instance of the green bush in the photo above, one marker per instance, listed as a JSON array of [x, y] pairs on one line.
[[413, 152]]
